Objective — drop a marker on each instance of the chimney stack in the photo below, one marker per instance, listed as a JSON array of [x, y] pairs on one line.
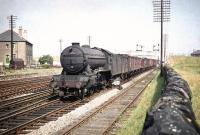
[[20, 31]]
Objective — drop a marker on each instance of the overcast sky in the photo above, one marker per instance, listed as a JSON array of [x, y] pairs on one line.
[[116, 25]]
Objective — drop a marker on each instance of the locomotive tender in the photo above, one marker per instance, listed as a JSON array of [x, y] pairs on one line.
[[86, 69]]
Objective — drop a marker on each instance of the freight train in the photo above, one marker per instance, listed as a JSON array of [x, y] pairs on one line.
[[86, 69]]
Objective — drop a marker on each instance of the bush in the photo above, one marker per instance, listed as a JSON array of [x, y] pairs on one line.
[[46, 59]]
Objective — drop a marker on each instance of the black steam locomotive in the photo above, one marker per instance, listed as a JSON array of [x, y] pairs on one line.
[[85, 69]]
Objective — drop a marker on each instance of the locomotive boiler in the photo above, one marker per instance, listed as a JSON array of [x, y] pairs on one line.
[[86, 69], [76, 59]]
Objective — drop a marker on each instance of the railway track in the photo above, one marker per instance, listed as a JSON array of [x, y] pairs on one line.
[[10, 77], [14, 82], [119, 123], [26, 119], [14, 105], [21, 118], [22, 86], [13, 123], [100, 120]]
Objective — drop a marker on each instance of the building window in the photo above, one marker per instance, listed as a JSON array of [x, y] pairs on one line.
[[7, 46], [14, 56], [7, 59]]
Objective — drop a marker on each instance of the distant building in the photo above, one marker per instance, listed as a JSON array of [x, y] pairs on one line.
[[196, 53], [22, 48]]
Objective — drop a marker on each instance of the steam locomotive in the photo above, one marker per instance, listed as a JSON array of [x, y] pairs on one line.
[[86, 69]]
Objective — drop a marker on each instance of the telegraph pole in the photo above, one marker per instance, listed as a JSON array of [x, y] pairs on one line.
[[165, 46], [12, 20], [161, 14], [60, 45], [161, 41], [89, 39]]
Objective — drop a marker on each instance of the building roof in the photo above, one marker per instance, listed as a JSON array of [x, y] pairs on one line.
[[197, 52], [5, 37]]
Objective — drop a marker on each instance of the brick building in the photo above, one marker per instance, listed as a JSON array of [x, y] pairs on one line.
[[22, 48]]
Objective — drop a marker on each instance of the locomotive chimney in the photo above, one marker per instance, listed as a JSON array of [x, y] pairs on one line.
[[76, 44]]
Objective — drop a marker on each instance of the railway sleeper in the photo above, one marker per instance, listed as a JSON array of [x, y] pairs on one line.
[[57, 115], [23, 132], [38, 114], [41, 123], [32, 127], [8, 125], [2, 130], [22, 118], [52, 118]]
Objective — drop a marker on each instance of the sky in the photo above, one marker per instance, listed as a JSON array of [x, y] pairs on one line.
[[115, 25]]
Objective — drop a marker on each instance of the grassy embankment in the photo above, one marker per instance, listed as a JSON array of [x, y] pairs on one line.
[[135, 124], [189, 68]]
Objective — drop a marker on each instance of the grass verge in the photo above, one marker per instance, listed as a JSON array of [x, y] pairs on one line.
[[189, 68], [135, 123], [49, 71]]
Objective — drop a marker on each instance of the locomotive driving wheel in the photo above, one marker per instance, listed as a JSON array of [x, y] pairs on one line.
[[82, 93], [90, 91]]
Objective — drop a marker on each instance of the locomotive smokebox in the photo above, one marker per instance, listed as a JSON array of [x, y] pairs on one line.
[[74, 59]]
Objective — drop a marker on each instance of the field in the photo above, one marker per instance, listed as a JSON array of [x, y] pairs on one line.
[[189, 68], [135, 124]]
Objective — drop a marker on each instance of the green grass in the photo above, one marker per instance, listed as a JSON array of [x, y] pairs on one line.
[[186, 63], [150, 96], [189, 68]]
